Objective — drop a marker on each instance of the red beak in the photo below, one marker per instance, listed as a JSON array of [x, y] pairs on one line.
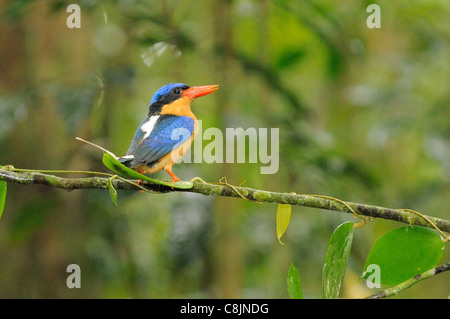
[[197, 91]]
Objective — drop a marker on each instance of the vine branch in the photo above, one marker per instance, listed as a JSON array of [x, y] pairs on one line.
[[392, 291], [30, 177]]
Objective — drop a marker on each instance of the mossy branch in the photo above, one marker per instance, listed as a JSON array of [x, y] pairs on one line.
[[30, 177]]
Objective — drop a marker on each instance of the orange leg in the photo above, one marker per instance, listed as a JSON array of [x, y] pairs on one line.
[[174, 178], [140, 180]]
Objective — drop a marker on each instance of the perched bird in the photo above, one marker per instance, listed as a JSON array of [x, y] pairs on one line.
[[168, 131]]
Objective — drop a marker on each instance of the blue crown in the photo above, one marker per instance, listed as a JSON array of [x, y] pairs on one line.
[[165, 90]]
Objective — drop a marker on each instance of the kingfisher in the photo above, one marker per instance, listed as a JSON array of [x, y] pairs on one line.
[[168, 131]]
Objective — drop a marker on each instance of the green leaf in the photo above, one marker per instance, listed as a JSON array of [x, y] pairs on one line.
[[113, 164], [283, 217], [336, 258], [112, 192], [403, 253], [293, 283], [2, 196]]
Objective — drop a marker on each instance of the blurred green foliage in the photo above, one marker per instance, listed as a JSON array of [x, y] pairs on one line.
[[363, 116]]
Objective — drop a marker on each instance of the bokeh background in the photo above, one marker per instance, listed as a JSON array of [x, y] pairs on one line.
[[364, 116]]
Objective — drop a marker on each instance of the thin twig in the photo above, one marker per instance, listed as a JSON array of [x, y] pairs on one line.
[[389, 292]]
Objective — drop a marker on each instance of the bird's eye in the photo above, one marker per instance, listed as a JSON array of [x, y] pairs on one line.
[[176, 91]]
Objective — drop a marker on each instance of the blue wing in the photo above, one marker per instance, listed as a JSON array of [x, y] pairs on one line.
[[167, 133]]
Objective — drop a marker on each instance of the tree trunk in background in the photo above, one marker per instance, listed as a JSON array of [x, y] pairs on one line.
[[227, 252], [32, 61]]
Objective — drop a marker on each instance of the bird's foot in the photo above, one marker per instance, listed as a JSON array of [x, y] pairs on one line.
[[140, 181], [174, 178]]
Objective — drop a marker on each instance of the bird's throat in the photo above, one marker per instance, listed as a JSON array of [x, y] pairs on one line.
[[180, 107]]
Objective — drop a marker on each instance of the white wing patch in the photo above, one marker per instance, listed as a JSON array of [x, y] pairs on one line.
[[148, 126], [127, 157]]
